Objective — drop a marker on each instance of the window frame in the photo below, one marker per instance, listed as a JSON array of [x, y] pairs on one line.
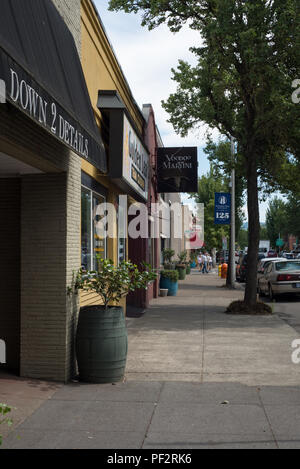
[[94, 194]]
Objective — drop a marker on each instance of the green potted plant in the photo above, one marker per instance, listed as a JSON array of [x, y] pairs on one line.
[[168, 254], [101, 338], [169, 280], [181, 266]]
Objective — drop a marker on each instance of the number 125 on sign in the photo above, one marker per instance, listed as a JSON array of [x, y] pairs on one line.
[[222, 216]]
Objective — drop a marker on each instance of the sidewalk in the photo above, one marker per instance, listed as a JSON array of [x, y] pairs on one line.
[[196, 378]]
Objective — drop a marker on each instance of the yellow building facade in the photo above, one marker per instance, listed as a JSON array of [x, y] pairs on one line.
[[103, 72]]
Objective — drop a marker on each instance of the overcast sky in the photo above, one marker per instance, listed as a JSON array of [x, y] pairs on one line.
[[146, 58]]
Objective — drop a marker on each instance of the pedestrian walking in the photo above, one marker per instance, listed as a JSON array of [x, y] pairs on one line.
[[200, 261], [204, 263]]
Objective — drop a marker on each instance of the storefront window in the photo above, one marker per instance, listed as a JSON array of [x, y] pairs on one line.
[[86, 229], [122, 228], [99, 241], [92, 245]]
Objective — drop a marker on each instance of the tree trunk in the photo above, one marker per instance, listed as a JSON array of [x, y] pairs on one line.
[[253, 230]]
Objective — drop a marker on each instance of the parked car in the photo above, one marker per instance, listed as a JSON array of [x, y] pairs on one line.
[[288, 255], [241, 268], [280, 277], [272, 253], [263, 264]]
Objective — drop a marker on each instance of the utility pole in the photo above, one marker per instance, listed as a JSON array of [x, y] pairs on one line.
[[232, 237]]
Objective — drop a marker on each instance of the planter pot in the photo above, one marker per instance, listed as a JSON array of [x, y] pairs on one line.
[[164, 292], [181, 271], [172, 287], [188, 270], [101, 344]]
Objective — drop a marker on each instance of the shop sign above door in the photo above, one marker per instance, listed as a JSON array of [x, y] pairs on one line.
[[28, 96], [177, 169], [135, 161]]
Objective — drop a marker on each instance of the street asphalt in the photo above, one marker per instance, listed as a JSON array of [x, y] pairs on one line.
[[195, 378]]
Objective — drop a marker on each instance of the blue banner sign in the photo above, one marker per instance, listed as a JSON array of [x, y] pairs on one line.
[[222, 208]]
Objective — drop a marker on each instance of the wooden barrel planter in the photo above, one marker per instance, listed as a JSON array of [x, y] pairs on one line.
[[101, 344]]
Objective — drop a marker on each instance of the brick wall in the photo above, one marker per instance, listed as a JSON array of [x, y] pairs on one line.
[[50, 240], [10, 270], [50, 244], [70, 11]]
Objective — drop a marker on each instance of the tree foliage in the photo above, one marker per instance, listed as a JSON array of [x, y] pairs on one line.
[[219, 154], [293, 215], [276, 220], [283, 218], [208, 184]]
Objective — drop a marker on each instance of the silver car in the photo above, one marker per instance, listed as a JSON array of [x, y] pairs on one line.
[[280, 277], [262, 265]]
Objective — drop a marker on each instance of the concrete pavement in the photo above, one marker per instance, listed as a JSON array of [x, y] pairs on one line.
[[195, 378]]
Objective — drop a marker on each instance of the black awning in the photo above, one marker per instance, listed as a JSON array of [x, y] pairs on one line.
[[41, 68]]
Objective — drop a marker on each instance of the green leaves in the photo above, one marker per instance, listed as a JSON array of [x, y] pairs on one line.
[[182, 257], [167, 255], [276, 220], [172, 275], [112, 282], [4, 410]]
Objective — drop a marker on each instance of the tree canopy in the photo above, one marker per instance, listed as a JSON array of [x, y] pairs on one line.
[[276, 220]]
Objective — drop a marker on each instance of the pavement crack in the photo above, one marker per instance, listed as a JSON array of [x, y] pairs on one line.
[[268, 420], [152, 415]]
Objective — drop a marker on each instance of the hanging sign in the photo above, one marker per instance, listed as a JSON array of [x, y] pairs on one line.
[[177, 169], [222, 208]]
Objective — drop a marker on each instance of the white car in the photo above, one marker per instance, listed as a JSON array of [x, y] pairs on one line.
[[288, 255], [280, 277], [262, 265]]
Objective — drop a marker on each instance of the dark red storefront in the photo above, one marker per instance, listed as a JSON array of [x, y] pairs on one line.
[[147, 250]]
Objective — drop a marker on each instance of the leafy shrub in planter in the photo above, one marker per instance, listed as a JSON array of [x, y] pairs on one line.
[[182, 257], [172, 275], [169, 280], [167, 255], [112, 283], [101, 337]]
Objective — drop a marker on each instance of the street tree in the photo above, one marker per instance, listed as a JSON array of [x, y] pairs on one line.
[[293, 215], [276, 220], [241, 84]]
